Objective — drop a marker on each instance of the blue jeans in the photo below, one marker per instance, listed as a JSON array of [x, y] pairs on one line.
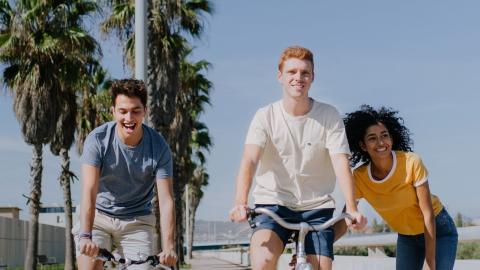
[[411, 248], [317, 242]]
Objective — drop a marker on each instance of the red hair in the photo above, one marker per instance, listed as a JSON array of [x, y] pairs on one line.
[[295, 52]]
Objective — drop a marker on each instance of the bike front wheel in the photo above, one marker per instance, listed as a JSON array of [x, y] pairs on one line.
[[303, 266]]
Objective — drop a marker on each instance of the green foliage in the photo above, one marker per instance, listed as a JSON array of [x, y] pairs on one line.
[[390, 251], [351, 251], [459, 220], [468, 251]]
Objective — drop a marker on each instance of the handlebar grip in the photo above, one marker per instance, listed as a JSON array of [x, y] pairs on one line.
[[105, 255], [153, 260], [251, 214]]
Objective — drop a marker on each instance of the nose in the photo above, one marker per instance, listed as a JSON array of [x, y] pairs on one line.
[[298, 76], [128, 116], [381, 141]]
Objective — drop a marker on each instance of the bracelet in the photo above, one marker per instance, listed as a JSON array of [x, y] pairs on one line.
[[86, 235]]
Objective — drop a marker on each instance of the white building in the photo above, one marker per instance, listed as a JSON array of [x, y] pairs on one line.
[[55, 215]]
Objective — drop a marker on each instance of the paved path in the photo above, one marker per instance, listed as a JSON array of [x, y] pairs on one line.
[[214, 264]]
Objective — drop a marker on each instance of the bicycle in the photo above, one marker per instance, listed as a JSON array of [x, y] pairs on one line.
[[124, 263], [303, 228]]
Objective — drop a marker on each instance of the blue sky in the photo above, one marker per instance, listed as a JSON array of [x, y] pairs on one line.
[[419, 57]]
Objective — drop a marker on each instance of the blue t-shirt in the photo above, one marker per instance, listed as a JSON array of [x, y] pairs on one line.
[[127, 174]]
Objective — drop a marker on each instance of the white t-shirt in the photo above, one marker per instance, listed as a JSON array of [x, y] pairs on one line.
[[295, 169]]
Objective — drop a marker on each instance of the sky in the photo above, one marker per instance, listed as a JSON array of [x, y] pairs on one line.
[[421, 58]]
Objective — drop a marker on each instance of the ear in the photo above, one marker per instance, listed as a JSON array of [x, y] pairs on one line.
[[313, 76], [113, 109], [362, 146], [279, 76]]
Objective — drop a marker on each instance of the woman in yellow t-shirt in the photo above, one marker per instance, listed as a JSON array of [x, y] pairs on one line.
[[394, 181]]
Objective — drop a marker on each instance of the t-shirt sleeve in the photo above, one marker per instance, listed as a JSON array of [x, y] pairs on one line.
[[257, 133], [420, 173], [91, 154], [165, 163], [336, 141]]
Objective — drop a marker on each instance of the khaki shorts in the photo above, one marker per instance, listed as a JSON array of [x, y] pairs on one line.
[[128, 237]]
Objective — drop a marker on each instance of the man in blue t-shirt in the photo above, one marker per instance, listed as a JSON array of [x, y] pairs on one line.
[[121, 162]]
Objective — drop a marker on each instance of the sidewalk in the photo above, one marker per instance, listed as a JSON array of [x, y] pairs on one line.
[[214, 264]]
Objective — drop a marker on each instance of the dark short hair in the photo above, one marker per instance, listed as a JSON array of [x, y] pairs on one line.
[[357, 123], [129, 88]]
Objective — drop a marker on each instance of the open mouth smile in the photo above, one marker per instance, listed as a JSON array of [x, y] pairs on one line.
[[129, 127]]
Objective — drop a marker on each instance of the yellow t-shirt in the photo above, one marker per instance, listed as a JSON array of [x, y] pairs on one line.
[[395, 198]]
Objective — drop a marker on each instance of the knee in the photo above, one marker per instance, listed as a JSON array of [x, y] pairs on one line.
[[267, 262]]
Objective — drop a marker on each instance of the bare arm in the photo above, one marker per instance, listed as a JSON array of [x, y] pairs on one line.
[[345, 179], [340, 228], [425, 202], [167, 212], [90, 178], [167, 221], [248, 167]]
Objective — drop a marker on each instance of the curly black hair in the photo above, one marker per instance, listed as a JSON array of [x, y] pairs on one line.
[[130, 88], [357, 123]]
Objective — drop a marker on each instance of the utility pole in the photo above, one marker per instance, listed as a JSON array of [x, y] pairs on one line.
[[141, 45], [141, 39], [187, 220]]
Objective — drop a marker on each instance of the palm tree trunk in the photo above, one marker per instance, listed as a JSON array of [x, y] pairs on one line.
[[156, 210], [191, 224], [65, 179], [178, 191], [34, 207]]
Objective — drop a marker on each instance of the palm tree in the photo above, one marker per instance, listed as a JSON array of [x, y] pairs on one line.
[[170, 22], [34, 37], [200, 142], [95, 103], [87, 49], [192, 97], [59, 145]]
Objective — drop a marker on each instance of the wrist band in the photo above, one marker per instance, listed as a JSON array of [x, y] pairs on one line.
[[85, 235]]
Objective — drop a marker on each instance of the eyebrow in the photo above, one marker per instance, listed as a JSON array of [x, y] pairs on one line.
[[134, 108]]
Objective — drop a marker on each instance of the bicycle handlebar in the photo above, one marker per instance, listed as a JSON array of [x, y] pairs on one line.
[[153, 260], [251, 213]]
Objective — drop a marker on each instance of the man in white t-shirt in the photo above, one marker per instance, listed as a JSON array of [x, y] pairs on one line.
[[300, 147]]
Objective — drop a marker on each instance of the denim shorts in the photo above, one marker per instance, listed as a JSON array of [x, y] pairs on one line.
[[316, 243], [411, 248]]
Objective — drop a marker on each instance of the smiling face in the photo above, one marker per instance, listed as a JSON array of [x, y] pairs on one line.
[[129, 113], [296, 78], [377, 142]]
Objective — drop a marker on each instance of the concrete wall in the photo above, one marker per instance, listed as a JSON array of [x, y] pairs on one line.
[[14, 236]]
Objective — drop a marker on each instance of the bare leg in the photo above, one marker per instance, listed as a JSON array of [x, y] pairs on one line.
[[88, 263], [320, 262], [265, 249]]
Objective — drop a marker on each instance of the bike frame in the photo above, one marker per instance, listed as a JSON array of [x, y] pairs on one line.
[[153, 260], [303, 228]]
